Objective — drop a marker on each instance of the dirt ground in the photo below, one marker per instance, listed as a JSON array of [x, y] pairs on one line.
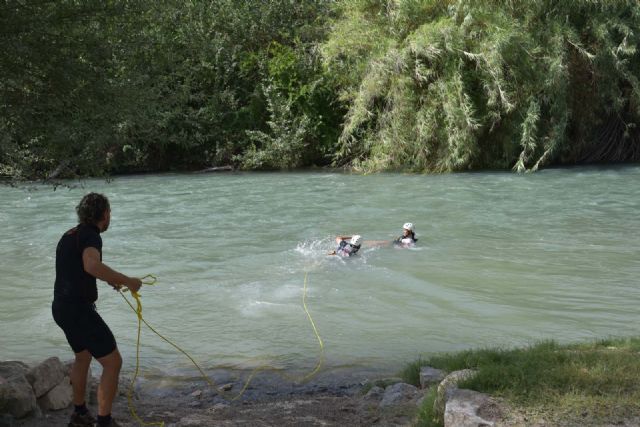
[[295, 411], [331, 400], [334, 398]]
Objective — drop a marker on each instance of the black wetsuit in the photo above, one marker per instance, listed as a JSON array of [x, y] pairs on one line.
[[399, 241], [75, 293]]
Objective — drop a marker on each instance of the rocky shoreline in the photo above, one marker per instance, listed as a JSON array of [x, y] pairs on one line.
[[40, 395]]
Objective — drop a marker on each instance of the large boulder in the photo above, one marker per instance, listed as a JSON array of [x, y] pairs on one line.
[[16, 395], [68, 365], [398, 394], [13, 367], [46, 376], [59, 397], [447, 387], [430, 376], [92, 385], [468, 408]]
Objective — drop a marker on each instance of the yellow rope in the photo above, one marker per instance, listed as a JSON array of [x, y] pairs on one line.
[[150, 280], [315, 331]]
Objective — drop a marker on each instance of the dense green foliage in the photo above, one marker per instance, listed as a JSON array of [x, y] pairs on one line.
[[60, 93], [599, 378], [88, 88], [468, 84], [98, 87]]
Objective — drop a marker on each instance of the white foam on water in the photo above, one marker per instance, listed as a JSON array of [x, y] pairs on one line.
[[258, 308], [315, 248]]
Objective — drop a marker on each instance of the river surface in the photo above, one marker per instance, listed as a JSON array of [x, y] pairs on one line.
[[502, 260]]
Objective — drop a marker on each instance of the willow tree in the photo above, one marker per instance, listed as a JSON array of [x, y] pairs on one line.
[[453, 85]]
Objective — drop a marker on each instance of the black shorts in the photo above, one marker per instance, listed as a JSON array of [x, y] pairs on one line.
[[84, 328]]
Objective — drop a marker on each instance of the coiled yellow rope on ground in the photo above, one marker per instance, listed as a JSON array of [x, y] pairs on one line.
[[151, 280]]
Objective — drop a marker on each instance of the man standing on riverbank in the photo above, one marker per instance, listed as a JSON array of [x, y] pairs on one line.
[[78, 264]]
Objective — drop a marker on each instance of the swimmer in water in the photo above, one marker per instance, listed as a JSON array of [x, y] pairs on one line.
[[408, 238], [347, 245]]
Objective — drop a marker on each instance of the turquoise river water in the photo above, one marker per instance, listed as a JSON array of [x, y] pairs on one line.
[[502, 260]]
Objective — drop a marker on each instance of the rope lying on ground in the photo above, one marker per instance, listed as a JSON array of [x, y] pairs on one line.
[[150, 280]]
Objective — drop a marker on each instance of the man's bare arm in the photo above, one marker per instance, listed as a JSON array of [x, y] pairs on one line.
[[98, 269]]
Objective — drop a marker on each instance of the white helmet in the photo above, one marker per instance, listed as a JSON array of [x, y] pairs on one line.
[[408, 226], [356, 239]]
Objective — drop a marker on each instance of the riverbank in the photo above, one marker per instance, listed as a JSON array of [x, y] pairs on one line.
[[547, 384], [332, 398]]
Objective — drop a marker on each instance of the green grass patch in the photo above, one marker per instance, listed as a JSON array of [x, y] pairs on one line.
[[426, 416], [598, 380]]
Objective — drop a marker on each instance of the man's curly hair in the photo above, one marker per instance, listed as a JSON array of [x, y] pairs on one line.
[[92, 208]]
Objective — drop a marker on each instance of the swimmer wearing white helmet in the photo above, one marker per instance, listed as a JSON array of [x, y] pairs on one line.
[[347, 245], [408, 238]]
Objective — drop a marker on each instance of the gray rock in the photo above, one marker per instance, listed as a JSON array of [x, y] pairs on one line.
[[124, 387], [226, 168], [218, 407], [376, 394], [16, 396], [11, 368], [447, 387], [68, 364], [59, 397], [91, 396], [46, 375], [194, 420], [399, 393], [92, 390], [430, 376], [468, 408]]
